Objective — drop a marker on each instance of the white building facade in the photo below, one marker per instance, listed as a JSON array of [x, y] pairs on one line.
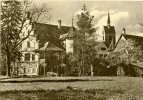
[[29, 64]]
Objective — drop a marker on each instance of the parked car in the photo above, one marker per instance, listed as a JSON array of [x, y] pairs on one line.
[[52, 74]]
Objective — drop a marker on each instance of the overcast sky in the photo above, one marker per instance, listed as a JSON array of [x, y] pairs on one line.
[[123, 14]]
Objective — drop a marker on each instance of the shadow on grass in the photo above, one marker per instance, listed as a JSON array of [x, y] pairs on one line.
[[41, 80]]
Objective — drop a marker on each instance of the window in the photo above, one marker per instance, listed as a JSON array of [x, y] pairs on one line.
[[28, 44], [33, 57], [33, 70], [27, 57], [100, 55], [42, 55], [103, 49], [105, 56]]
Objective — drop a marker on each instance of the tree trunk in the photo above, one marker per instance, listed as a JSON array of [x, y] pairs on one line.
[[79, 69], [129, 69], [91, 69], [8, 64]]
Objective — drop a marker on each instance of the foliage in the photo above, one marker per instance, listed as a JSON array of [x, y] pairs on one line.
[[130, 51], [85, 21], [11, 21], [14, 20], [85, 41]]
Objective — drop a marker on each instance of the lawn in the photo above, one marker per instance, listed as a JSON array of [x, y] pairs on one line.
[[85, 88]]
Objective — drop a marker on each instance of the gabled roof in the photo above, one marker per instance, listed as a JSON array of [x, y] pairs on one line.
[[133, 37], [99, 45], [138, 39], [109, 29], [49, 33]]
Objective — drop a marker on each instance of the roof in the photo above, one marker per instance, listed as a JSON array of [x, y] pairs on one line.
[[111, 29], [52, 30], [69, 34], [139, 64], [133, 37], [99, 44], [49, 33], [138, 39], [49, 47], [111, 46]]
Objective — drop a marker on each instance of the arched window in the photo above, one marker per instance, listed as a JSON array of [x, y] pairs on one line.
[[110, 39]]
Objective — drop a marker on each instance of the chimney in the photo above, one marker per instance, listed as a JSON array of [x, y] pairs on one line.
[[124, 31], [59, 21]]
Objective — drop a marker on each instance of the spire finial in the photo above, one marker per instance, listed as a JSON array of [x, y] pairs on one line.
[[72, 20], [108, 20]]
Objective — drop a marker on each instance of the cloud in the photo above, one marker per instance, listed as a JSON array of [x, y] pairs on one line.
[[118, 18], [78, 12], [134, 30], [97, 14], [94, 7]]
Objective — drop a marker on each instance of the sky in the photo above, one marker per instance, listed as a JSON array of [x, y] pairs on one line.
[[123, 14]]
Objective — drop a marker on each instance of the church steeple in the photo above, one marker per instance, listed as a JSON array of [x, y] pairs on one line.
[[108, 20], [72, 20]]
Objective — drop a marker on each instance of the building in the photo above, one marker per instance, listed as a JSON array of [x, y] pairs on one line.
[[121, 52], [39, 35], [108, 41], [109, 33], [28, 65], [69, 39], [51, 34], [102, 50], [50, 58]]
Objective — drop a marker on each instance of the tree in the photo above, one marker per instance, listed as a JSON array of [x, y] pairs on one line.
[[14, 14], [129, 51], [11, 20], [85, 41]]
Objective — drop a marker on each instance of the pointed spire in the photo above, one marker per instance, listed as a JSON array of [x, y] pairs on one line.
[[108, 20], [72, 20]]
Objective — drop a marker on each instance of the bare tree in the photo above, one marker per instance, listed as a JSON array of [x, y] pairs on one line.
[[14, 20]]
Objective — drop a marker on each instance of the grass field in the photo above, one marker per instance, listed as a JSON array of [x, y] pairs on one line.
[[85, 88]]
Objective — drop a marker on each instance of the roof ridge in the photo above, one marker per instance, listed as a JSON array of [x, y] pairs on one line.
[[133, 35], [52, 24]]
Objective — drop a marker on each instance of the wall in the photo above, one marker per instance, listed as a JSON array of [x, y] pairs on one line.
[[30, 67], [69, 45]]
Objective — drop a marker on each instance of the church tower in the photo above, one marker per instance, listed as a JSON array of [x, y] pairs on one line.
[[109, 34]]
